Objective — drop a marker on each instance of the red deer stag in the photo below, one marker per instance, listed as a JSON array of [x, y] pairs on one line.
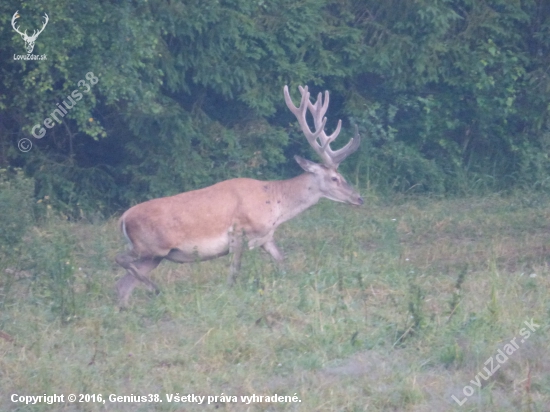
[[214, 221]]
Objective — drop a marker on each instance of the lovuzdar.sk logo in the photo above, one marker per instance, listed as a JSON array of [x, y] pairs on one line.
[[29, 40]]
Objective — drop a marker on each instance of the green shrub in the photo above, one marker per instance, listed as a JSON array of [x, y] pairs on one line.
[[16, 212]]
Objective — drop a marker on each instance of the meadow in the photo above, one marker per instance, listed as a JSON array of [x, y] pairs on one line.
[[397, 305]]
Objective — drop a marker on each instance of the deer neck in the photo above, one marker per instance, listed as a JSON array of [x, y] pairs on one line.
[[295, 195]]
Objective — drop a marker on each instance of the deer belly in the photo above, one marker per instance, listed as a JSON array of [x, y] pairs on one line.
[[202, 249]]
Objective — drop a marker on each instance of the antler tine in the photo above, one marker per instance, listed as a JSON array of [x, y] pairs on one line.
[[334, 135], [15, 17], [46, 20], [35, 34], [331, 158], [339, 155], [300, 113], [318, 111]]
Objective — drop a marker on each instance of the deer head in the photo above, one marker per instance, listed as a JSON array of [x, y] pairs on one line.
[[331, 183]]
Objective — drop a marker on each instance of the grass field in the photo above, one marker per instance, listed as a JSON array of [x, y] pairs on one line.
[[395, 306]]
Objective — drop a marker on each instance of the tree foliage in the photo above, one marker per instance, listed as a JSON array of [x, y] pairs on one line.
[[448, 94]]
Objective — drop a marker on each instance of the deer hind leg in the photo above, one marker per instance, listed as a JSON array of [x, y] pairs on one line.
[[137, 270], [124, 287]]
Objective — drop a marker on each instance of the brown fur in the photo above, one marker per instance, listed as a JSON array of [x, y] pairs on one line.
[[217, 220], [214, 221]]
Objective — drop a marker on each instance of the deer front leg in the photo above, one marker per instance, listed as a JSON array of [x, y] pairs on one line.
[[236, 245], [271, 248]]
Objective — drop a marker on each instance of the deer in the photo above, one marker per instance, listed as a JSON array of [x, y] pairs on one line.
[[29, 40], [222, 219]]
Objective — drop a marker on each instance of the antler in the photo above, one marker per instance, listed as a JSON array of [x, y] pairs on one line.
[[15, 17], [331, 158], [34, 34], [47, 19]]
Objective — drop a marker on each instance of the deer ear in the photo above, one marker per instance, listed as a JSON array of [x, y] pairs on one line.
[[307, 165]]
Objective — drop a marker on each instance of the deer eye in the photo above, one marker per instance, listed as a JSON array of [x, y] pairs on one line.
[[334, 179]]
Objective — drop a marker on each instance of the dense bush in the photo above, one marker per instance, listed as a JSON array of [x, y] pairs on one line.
[[451, 96]]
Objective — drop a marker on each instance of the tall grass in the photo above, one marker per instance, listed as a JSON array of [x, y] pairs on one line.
[[393, 306]]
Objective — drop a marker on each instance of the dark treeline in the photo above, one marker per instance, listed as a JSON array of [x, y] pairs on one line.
[[450, 96]]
